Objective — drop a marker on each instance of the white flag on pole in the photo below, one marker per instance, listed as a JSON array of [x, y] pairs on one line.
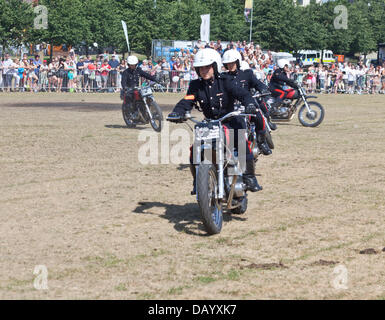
[[205, 27], [126, 34]]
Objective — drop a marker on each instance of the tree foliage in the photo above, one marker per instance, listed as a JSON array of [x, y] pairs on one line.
[[279, 25]]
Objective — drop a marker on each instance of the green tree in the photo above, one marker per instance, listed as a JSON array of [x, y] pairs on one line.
[[376, 19], [275, 25], [16, 17], [363, 39], [67, 22]]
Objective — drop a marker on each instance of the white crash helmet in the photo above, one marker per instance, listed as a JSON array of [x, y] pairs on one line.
[[132, 60], [232, 56], [207, 57], [282, 62], [244, 66]]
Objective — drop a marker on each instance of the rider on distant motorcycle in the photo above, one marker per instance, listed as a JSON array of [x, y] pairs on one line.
[[280, 79], [215, 94], [131, 76]]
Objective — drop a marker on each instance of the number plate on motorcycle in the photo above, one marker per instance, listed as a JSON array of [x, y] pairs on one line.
[[145, 92], [206, 133]]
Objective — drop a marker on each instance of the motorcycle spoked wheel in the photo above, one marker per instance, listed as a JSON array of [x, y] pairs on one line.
[[314, 118], [210, 207], [127, 115], [157, 116]]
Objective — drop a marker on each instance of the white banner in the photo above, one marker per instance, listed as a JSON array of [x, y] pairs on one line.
[[126, 34], [205, 27]]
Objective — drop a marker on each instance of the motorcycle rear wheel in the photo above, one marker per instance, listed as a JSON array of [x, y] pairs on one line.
[[127, 116], [314, 118], [210, 207]]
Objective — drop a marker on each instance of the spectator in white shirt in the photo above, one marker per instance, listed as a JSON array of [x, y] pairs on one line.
[[351, 78], [1, 75], [7, 72], [322, 73]]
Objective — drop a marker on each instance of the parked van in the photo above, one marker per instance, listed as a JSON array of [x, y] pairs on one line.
[[309, 57], [282, 55]]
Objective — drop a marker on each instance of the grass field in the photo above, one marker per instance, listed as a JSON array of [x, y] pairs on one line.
[[75, 199]]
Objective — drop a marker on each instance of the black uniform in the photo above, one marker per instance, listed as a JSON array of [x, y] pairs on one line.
[[280, 79], [130, 78], [216, 98], [247, 80]]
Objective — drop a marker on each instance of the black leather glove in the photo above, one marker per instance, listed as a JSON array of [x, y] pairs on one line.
[[251, 109], [175, 117]]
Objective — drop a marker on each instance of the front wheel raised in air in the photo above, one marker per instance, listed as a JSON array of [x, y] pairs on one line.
[[156, 113], [210, 207], [127, 115], [312, 118]]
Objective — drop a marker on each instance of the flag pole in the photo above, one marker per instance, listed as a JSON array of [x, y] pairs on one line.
[[251, 23]]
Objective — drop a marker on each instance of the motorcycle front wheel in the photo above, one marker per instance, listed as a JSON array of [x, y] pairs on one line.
[[210, 207], [127, 115], [156, 113], [312, 118]]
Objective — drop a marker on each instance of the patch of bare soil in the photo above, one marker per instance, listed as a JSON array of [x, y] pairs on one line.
[[264, 266], [368, 251], [322, 262], [79, 208]]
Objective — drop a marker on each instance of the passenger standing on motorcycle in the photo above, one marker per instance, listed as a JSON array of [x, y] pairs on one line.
[[215, 94], [131, 76], [243, 76], [280, 79]]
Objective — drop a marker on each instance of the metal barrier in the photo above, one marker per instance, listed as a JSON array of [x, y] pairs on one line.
[[178, 81]]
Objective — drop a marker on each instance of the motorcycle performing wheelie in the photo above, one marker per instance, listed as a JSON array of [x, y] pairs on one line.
[[139, 105], [285, 102], [221, 160]]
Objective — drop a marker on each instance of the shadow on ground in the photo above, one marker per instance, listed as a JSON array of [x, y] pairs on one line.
[[186, 218], [118, 126], [81, 106]]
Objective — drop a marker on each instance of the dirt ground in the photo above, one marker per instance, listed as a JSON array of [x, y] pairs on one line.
[[75, 199]]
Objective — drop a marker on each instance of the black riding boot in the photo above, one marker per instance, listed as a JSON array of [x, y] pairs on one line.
[[272, 126], [193, 172], [261, 139], [249, 177]]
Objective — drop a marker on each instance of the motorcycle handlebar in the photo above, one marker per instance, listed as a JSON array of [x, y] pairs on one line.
[[226, 116], [259, 95]]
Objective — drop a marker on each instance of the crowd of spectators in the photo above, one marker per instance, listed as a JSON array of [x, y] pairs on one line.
[[103, 73], [71, 73]]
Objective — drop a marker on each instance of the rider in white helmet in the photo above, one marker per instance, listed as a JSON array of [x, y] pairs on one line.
[[214, 94], [131, 76], [280, 79], [240, 70], [232, 61]]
